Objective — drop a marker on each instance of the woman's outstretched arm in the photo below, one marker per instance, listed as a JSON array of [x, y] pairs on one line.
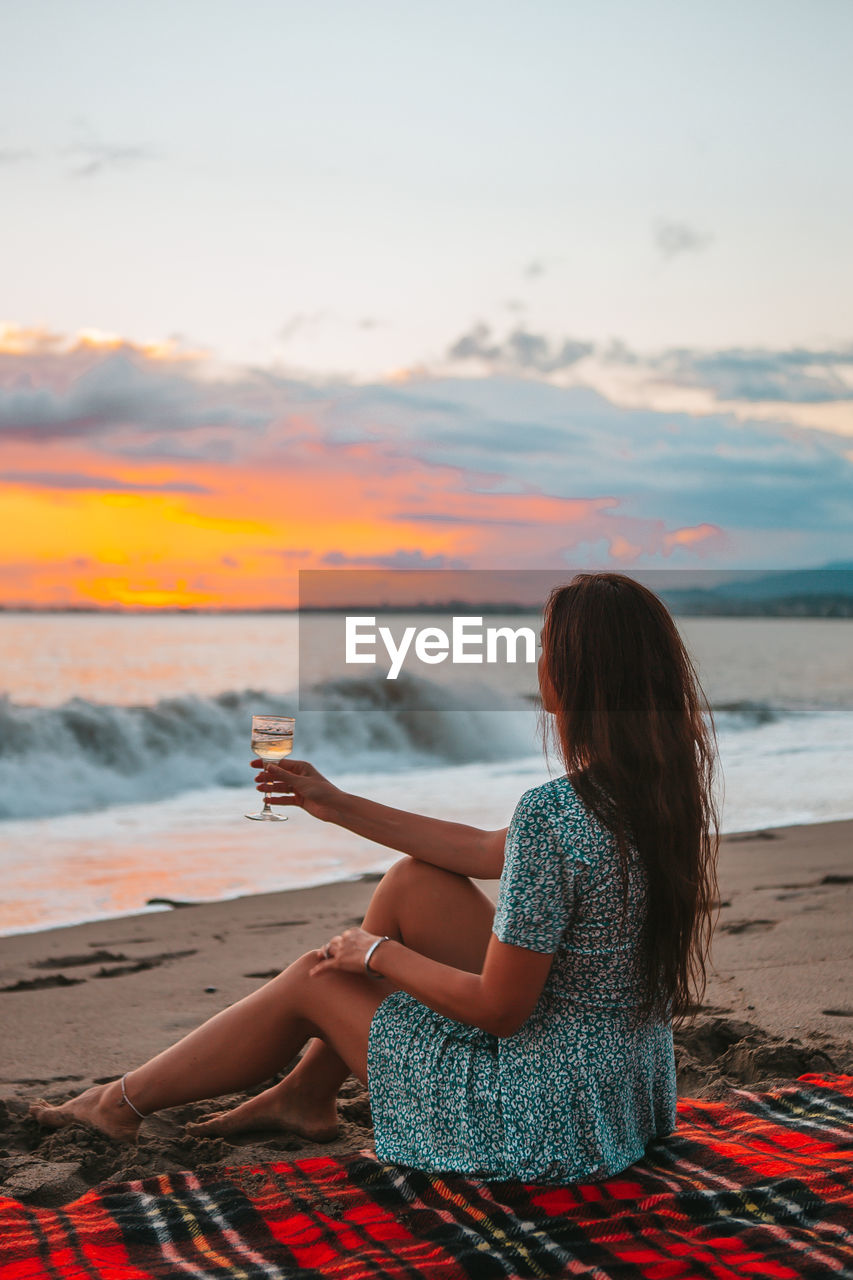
[[469, 851]]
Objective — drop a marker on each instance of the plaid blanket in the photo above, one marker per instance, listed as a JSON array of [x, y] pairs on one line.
[[760, 1185]]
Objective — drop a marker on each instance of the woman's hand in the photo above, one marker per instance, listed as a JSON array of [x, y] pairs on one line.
[[299, 783], [345, 951]]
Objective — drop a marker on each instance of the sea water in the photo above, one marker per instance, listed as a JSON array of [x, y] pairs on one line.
[[124, 752]]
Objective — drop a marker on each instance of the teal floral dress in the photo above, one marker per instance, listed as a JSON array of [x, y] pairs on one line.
[[581, 1088]]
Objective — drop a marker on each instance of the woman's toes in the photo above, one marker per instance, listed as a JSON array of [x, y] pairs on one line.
[[86, 1109], [48, 1116], [198, 1128], [263, 1112], [209, 1126]]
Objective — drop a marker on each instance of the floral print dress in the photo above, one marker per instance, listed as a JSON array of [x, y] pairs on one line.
[[580, 1089]]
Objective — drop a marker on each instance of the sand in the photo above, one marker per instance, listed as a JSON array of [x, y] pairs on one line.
[[86, 1003]]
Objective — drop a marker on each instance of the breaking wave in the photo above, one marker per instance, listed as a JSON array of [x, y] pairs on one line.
[[84, 755]]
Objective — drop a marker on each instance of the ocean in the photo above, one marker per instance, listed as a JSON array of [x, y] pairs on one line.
[[124, 752]]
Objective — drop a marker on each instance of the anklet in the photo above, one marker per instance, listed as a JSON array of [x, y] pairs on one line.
[[125, 1098]]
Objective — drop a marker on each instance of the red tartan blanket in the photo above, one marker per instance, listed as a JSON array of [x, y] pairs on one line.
[[760, 1185]]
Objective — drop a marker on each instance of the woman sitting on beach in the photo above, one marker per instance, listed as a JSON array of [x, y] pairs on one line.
[[533, 1041]]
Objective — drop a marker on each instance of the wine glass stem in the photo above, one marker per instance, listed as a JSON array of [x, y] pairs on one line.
[[267, 778]]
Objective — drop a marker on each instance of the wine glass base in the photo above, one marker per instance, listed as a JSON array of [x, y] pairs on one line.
[[265, 817]]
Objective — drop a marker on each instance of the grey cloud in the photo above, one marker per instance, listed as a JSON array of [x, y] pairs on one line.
[[474, 345], [520, 350], [445, 517], [673, 238], [534, 269], [99, 157], [683, 468], [87, 159], [531, 437], [796, 376], [401, 559], [111, 484], [617, 352], [119, 392], [532, 351]]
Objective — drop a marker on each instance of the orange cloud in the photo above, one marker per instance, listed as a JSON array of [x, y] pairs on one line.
[[228, 544], [706, 537], [161, 511], [20, 340]]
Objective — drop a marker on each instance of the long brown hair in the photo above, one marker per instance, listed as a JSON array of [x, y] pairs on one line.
[[628, 718]]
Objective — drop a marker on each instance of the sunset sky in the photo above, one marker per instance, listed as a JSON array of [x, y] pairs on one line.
[[477, 285]]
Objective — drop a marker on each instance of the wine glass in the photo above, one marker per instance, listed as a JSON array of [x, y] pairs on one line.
[[272, 739]]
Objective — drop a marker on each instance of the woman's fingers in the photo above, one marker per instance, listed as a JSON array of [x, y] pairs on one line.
[[267, 770], [272, 792], [280, 775], [298, 767], [324, 961], [297, 782], [343, 952], [327, 956], [271, 779]]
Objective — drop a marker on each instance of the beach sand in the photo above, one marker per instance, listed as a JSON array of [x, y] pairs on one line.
[[86, 1003]]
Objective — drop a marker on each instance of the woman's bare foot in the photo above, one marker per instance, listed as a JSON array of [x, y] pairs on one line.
[[275, 1108], [101, 1107]]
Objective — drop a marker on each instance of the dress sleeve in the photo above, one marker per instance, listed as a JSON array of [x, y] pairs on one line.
[[535, 890]]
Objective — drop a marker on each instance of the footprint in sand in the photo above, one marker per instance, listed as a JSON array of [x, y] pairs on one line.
[[752, 835], [747, 926], [144, 962], [69, 962], [61, 980], [277, 924], [36, 984]]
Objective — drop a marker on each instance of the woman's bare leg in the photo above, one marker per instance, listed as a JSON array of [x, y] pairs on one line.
[[436, 912], [239, 1047]]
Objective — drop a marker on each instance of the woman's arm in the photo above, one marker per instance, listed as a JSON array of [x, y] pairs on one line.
[[469, 851], [455, 846], [498, 1000]]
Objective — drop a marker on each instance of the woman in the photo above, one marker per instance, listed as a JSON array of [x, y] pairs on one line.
[[534, 1041]]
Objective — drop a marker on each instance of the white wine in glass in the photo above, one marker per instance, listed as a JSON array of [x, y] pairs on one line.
[[272, 740]]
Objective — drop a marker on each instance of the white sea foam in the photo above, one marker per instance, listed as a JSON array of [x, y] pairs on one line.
[[84, 756]]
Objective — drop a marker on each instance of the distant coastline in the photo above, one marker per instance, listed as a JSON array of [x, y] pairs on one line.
[[822, 592], [809, 606]]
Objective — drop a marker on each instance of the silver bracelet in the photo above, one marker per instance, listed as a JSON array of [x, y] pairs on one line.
[[369, 953]]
